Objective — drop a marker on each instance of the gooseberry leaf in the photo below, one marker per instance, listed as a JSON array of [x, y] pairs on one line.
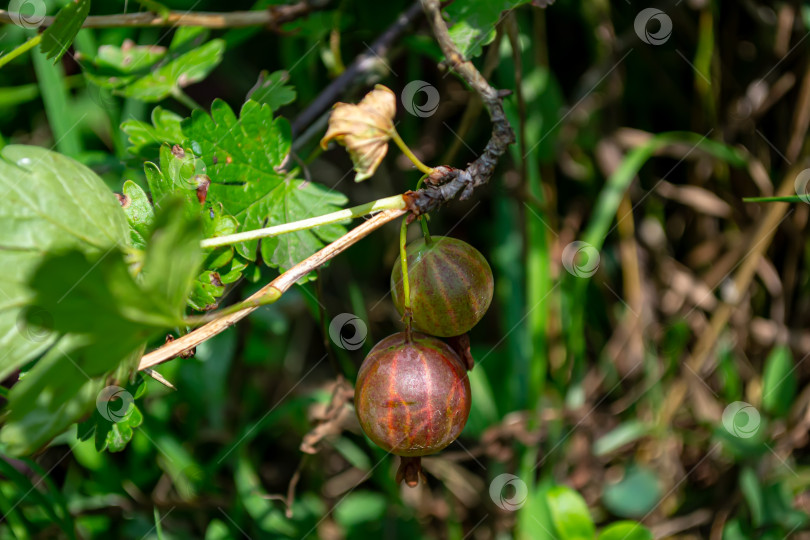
[[129, 58], [180, 72], [50, 203], [182, 174], [165, 128], [117, 434], [243, 157], [139, 212], [113, 432], [272, 91], [206, 289], [56, 39], [151, 73], [472, 23], [105, 317]]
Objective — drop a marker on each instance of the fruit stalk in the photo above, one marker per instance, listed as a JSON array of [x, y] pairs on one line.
[[407, 314], [408, 153]]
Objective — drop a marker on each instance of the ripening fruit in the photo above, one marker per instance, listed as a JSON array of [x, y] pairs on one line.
[[412, 397], [451, 286]]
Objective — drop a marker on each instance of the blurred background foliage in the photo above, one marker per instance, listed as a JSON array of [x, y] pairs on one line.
[[580, 381]]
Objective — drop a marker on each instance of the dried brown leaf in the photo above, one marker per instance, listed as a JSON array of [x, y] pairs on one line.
[[364, 129]]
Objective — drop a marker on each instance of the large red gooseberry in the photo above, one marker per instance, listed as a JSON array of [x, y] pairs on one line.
[[412, 395]]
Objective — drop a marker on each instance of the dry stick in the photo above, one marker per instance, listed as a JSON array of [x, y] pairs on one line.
[[631, 274], [272, 16], [278, 286], [742, 280]]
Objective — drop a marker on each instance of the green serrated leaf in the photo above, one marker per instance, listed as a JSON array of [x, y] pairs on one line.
[[243, 156], [234, 271], [113, 433], [272, 91], [54, 394], [188, 37], [57, 38], [291, 201], [179, 175], [139, 212], [217, 223], [173, 255], [129, 58], [165, 128], [180, 72], [50, 203], [472, 23], [107, 317], [118, 437], [205, 291]]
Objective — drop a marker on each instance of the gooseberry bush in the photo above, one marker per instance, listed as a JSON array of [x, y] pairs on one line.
[[180, 241]]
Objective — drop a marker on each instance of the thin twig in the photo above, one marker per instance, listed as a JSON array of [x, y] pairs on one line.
[[446, 182], [271, 17], [395, 202], [276, 287]]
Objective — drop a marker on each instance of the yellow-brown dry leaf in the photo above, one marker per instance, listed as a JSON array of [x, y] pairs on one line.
[[364, 129]]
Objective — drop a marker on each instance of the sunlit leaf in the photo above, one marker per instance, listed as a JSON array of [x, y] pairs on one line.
[[57, 38]]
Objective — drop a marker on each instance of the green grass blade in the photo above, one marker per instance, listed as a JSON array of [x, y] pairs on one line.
[[791, 199], [55, 97]]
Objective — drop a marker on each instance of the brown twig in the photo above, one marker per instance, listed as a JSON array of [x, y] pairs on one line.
[[447, 183], [271, 17], [279, 285], [474, 105]]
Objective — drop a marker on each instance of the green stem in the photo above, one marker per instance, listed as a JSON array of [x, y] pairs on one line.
[[178, 94], [425, 231], [407, 151], [269, 298], [423, 219], [406, 286], [28, 45], [389, 203]]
